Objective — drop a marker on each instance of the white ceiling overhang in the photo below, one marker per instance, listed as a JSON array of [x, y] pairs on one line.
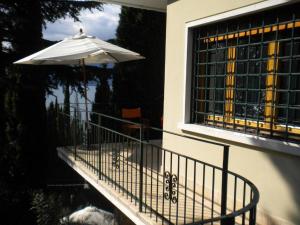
[[155, 5]]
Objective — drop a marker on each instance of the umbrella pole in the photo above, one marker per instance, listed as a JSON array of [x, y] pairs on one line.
[[85, 98]]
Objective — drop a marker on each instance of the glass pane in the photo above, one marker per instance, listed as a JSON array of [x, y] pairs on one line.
[[240, 81]]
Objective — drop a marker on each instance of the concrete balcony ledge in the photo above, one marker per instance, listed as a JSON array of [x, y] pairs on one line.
[[126, 207]]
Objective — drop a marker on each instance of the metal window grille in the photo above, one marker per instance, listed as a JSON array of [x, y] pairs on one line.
[[246, 74]]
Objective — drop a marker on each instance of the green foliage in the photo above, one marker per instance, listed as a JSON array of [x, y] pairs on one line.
[[48, 208], [140, 83], [22, 98], [102, 101]]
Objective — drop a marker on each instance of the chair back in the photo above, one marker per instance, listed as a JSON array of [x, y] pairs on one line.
[[131, 113]]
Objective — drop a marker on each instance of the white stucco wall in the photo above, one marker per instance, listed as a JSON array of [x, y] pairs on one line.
[[275, 174]]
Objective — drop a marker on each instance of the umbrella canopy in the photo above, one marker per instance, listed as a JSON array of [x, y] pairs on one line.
[[80, 50], [72, 50]]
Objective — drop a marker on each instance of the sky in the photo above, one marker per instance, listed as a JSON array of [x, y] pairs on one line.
[[102, 24]]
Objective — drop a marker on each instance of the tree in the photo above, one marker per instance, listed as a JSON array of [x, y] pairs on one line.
[[140, 83], [22, 160], [102, 101]]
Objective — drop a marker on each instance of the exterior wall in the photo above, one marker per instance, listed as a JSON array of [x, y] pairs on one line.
[[276, 175]]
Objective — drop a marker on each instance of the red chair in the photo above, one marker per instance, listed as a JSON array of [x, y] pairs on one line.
[[134, 115]]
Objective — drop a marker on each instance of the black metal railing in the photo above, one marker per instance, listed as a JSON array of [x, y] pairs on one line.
[[169, 186]]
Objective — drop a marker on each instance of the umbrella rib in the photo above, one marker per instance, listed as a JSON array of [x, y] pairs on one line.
[[113, 57]]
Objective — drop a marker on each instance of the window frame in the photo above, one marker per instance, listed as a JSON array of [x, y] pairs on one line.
[[230, 135]]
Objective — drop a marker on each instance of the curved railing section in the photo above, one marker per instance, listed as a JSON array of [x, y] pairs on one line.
[[171, 187]]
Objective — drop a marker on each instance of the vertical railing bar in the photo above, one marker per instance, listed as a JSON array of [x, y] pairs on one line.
[[127, 150], [120, 160], [136, 174], [185, 189], [151, 181], [100, 150], [244, 198], [75, 136], [164, 170], [203, 192], [194, 189], [141, 169], [111, 157], [224, 180], [89, 130], [131, 148], [177, 194], [123, 168], [157, 180], [146, 176], [171, 170], [213, 194], [94, 149], [116, 159], [107, 156], [99, 147], [234, 198]]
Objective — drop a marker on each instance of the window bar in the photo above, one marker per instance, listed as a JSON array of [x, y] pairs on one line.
[[224, 77], [247, 80], [215, 80], [206, 82], [260, 77], [289, 81], [230, 80], [201, 84], [270, 81], [235, 83], [274, 81], [195, 78]]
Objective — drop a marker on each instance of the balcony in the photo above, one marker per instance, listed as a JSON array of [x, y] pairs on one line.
[[151, 184]]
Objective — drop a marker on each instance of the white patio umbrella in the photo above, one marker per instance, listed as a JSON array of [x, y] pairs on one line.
[[80, 50]]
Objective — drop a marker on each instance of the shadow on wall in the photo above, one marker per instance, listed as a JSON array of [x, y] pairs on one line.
[[288, 166]]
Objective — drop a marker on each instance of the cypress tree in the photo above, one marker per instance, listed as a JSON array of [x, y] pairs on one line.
[[140, 83], [22, 159]]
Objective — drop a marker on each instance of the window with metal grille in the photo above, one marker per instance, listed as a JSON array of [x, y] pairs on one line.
[[246, 74]]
